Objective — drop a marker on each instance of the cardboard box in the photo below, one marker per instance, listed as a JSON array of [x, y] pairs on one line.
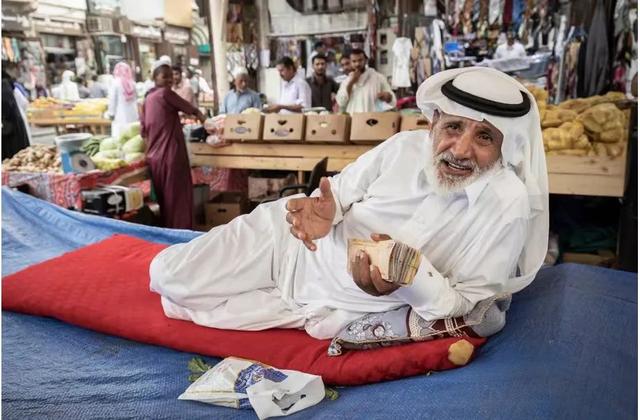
[[224, 207], [243, 127], [414, 122], [327, 128], [112, 200], [283, 127], [371, 127], [262, 187]]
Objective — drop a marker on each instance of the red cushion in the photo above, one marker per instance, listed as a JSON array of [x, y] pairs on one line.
[[105, 287]]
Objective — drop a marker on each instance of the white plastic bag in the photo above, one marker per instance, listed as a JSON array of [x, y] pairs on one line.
[[271, 392]]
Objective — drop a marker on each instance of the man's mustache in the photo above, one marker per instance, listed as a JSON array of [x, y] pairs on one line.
[[448, 157]]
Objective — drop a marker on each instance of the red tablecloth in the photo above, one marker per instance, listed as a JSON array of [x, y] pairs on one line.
[[64, 189]]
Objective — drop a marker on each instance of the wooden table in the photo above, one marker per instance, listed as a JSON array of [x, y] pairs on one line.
[[593, 176], [572, 175], [95, 125], [276, 156]]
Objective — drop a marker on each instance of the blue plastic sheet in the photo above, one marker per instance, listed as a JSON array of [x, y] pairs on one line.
[[569, 349]]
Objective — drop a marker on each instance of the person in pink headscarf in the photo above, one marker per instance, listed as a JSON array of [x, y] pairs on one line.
[[123, 107]]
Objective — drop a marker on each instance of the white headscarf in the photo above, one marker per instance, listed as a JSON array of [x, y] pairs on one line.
[[522, 147]]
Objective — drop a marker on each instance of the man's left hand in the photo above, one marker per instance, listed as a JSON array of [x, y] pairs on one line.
[[385, 96], [367, 276]]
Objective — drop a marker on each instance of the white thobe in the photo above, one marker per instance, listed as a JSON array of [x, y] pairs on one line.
[[294, 92], [364, 93], [401, 76], [253, 274], [124, 112], [510, 51]]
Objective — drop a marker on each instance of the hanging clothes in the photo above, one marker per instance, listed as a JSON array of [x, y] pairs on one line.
[[507, 15], [495, 11], [571, 70], [517, 13], [597, 73], [401, 59]]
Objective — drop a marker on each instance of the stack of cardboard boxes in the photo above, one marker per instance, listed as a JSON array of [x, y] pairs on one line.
[[370, 127], [362, 128]]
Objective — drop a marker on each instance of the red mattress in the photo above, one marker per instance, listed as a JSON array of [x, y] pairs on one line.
[[105, 287]]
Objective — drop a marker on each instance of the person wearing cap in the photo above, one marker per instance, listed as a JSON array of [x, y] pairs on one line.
[[164, 59], [470, 195], [166, 153], [295, 93], [241, 97]]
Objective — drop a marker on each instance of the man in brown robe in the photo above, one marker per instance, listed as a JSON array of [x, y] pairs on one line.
[[167, 151]]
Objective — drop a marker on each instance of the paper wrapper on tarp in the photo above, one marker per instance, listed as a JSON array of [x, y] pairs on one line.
[[64, 189], [243, 384]]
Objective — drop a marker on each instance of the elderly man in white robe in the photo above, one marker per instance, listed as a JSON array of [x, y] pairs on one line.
[[471, 195]]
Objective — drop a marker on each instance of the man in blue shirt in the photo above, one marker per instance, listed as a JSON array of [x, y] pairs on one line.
[[241, 97]]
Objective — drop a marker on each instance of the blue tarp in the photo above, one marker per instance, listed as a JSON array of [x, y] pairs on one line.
[[569, 349]]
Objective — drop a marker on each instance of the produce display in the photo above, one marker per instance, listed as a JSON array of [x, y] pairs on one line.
[[88, 108], [591, 126], [51, 107], [107, 153], [36, 158], [48, 102], [110, 153]]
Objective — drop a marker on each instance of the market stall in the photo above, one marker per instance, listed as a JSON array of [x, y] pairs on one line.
[[84, 116], [586, 151], [79, 163]]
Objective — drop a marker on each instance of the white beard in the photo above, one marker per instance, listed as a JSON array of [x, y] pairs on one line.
[[445, 185]]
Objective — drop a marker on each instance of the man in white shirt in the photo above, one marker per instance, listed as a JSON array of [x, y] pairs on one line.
[[471, 195], [365, 90], [511, 49], [295, 93]]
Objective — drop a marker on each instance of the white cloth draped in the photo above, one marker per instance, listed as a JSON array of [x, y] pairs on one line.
[[253, 274]]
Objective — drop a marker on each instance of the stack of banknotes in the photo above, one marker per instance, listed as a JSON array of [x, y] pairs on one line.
[[398, 263]]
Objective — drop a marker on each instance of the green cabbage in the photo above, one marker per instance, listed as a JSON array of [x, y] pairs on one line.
[[131, 131], [134, 145], [108, 144], [107, 154], [133, 157]]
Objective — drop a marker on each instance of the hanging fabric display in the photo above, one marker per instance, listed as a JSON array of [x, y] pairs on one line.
[[495, 11], [401, 58]]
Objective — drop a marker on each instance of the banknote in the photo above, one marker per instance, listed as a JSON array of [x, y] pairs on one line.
[[397, 262]]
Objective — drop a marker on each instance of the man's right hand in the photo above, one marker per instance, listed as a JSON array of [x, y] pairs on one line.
[[312, 217], [354, 77], [273, 108]]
